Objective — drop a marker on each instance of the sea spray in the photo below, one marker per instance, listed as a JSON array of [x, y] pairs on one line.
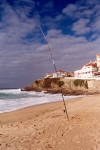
[[14, 99]]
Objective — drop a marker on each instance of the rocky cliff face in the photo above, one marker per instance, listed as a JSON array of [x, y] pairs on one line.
[[66, 86]]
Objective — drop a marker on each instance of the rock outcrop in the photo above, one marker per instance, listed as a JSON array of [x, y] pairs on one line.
[[31, 89], [65, 85]]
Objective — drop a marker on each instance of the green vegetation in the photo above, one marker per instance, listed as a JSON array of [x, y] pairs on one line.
[[55, 80], [80, 83], [60, 83], [86, 85], [48, 81]]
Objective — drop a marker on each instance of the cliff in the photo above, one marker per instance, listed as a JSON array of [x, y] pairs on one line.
[[67, 86]]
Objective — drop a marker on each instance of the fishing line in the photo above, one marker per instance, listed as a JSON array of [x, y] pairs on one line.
[[55, 70]]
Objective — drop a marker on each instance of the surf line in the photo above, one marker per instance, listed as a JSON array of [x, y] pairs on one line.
[[55, 71]]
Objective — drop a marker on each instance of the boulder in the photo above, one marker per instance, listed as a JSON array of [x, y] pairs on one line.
[[31, 89]]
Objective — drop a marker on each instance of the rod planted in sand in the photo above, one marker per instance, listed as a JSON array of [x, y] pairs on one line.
[[55, 70]]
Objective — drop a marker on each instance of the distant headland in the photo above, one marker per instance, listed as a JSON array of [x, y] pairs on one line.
[[85, 80]]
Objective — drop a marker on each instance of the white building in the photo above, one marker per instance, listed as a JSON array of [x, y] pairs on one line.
[[48, 74], [87, 71], [59, 73]]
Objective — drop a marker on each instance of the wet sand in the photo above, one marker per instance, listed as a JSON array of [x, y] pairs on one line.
[[46, 126]]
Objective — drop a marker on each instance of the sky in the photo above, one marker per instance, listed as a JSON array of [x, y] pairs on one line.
[[72, 29]]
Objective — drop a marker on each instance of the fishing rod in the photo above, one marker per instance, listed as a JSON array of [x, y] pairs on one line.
[[48, 49], [55, 70]]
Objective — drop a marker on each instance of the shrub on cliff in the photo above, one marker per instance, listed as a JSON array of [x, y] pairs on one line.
[[55, 80], [48, 81], [80, 83], [60, 83], [86, 85]]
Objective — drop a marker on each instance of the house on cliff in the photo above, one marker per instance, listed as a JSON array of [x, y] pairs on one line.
[[90, 70], [48, 75], [87, 71], [59, 73]]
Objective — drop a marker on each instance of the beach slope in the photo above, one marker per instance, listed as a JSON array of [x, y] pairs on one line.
[[46, 126]]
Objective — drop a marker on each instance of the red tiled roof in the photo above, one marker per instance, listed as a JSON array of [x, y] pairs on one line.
[[91, 64], [48, 73]]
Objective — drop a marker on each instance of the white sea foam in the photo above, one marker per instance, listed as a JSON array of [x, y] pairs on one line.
[[14, 99], [12, 91]]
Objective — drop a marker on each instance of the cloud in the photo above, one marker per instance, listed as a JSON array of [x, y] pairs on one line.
[[87, 13], [46, 8], [81, 26], [54, 33], [92, 2], [80, 9], [59, 17], [24, 53], [70, 10], [96, 24], [86, 17], [48, 5]]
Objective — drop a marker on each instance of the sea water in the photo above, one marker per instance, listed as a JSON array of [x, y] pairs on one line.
[[14, 99]]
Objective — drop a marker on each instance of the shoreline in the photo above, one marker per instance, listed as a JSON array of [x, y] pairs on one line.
[[46, 127], [36, 109], [70, 98]]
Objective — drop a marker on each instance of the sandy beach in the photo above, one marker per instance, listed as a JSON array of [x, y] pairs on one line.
[[45, 127]]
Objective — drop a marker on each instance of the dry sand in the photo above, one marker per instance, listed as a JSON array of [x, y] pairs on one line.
[[46, 127]]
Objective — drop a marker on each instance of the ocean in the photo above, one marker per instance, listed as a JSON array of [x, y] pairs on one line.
[[14, 99]]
